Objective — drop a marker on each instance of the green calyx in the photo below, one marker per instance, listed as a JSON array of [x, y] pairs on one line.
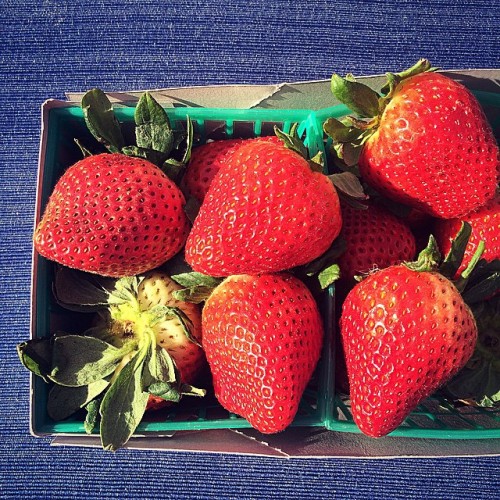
[[350, 133], [292, 141], [156, 140], [394, 79], [428, 259], [111, 369], [479, 281], [197, 287], [478, 383]]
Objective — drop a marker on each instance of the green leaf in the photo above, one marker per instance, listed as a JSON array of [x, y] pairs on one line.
[[356, 96], [173, 168], [195, 295], [153, 130], [196, 279], [328, 258], [166, 369], [191, 208], [189, 390], [124, 404], [317, 162], [349, 154], [161, 377], [79, 360], [81, 292], [92, 417], [349, 185], [159, 367], [36, 356], [125, 291], [63, 401], [453, 259], [161, 312], [198, 286], [151, 155], [483, 283], [340, 132], [292, 140], [101, 120], [328, 276], [174, 392], [165, 390]]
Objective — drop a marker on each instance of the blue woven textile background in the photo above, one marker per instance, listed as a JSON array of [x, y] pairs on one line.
[[51, 46]]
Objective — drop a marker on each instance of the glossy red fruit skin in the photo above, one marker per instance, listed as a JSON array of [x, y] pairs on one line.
[[434, 149], [265, 211], [375, 239], [485, 224], [112, 215], [405, 333], [262, 337], [207, 159]]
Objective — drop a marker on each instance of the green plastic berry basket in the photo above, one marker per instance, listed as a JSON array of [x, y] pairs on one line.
[[321, 406], [436, 417], [62, 124]]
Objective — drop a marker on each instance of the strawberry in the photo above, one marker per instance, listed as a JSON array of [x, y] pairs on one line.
[[406, 331], [485, 224], [204, 163], [375, 238], [207, 159], [113, 215], [144, 352], [425, 142], [265, 211], [262, 336], [157, 290], [118, 214]]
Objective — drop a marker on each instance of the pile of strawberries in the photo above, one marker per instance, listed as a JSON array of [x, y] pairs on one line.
[[252, 221]]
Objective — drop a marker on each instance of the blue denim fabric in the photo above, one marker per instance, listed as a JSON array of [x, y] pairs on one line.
[[49, 47]]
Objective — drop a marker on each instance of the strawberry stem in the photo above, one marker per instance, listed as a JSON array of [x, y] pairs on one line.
[[393, 79], [428, 258]]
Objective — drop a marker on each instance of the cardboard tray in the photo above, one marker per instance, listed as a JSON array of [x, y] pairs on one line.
[[309, 437]]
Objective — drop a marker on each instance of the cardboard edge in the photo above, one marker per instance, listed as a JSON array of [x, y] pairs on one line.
[[221, 441], [279, 95], [222, 96], [33, 283], [314, 443]]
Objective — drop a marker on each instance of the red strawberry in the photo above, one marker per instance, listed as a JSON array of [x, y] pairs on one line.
[[374, 238], [265, 211], [113, 215], [207, 159], [262, 336], [485, 224], [405, 333], [205, 162], [428, 145]]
